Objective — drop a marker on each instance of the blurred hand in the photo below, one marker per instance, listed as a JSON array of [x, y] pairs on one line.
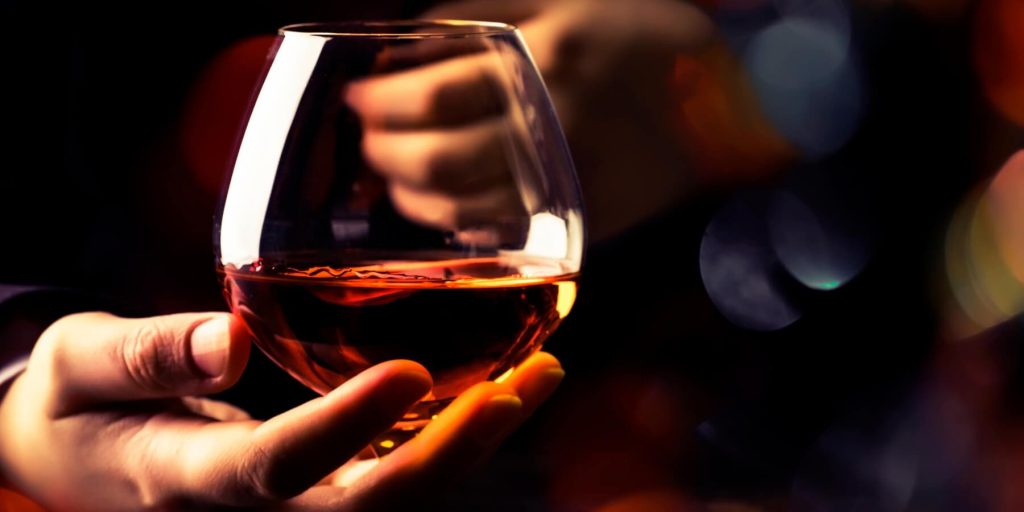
[[103, 418], [608, 67], [439, 131]]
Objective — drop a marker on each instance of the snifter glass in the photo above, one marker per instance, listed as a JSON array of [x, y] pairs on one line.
[[401, 190]]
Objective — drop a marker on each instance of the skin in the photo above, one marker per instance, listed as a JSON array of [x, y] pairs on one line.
[[108, 416], [434, 130]]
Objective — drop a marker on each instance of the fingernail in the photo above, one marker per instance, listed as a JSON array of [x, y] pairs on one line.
[[496, 419], [554, 375], [546, 385], [209, 346]]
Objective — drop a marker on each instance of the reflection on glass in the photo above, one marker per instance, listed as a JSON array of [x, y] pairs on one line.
[[401, 190]]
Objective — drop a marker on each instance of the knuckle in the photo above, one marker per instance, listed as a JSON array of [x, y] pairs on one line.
[[374, 148], [477, 94], [374, 143], [148, 362], [58, 332], [430, 212], [52, 346], [436, 166], [444, 216], [465, 162], [371, 151], [432, 101], [443, 97], [55, 356]]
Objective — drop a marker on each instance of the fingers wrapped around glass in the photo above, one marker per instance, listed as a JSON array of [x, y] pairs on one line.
[[401, 190]]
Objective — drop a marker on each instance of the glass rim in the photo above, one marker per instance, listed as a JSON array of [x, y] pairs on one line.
[[379, 29]]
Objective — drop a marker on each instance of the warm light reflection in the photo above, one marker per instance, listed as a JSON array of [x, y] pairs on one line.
[[503, 377], [354, 470], [566, 298], [552, 238], [548, 237]]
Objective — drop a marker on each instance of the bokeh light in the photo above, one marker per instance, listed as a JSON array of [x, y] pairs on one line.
[[821, 247], [807, 83], [985, 250], [739, 20], [1006, 206], [216, 108], [727, 137], [801, 64], [833, 14], [741, 274], [852, 469]]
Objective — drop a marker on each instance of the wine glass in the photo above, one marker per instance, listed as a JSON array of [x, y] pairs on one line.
[[401, 190]]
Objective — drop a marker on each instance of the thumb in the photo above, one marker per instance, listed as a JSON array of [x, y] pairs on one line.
[[93, 358]]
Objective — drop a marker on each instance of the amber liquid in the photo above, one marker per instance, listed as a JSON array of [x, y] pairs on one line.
[[465, 320]]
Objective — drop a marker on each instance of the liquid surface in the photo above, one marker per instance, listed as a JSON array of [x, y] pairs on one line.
[[466, 321]]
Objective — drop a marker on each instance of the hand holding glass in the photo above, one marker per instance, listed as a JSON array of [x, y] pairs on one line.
[[401, 190]]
